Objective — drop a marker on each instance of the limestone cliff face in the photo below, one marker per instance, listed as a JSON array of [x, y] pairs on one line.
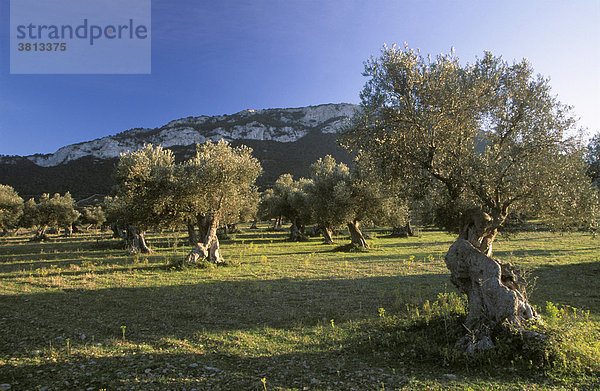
[[282, 125]]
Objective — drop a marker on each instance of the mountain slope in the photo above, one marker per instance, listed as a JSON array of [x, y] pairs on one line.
[[284, 140]]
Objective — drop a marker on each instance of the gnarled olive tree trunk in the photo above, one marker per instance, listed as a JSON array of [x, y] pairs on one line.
[[254, 222], [495, 290], [192, 237], [118, 231], [41, 234], [327, 234], [277, 224], [68, 230], [209, 248], [135, 240], [356, 235], [297, 231], [402, 232]]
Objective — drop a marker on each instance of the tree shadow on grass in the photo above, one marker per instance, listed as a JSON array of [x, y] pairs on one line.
[[577, 285], [376, 355], [193, 331], [152, 313], [354, 366]]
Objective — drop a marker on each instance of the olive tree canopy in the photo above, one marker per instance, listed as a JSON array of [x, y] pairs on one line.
[[56, 211], [339, 195], [288, 199], [145, 195], [11, 208]]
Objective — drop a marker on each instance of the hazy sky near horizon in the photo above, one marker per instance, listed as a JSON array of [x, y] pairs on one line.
[[222, 57]]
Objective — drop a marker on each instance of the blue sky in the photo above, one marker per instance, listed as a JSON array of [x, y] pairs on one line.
[[220, 57]]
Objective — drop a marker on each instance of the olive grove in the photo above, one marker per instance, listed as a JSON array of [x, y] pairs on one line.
[[335, 196]]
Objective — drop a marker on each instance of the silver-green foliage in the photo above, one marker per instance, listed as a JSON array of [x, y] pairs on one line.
[[218, 179], [489, 134], [339, 195], [11, 207], [55, 211], [154, 191], [288, 199]]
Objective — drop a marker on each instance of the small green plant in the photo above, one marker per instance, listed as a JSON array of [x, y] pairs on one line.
[[264, 383], [123, 330], [381, 312], [68, 347], [552, 312]]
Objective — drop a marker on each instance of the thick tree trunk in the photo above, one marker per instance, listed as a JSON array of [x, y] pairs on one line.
[[402, 232], [224, 232], [480, 229], [327, 234], [296, 232], [496, 292], [277, 225], [356, 235], [192, 237], [254, 222], [136, 241], [408, 228], [209, 248], [41, 234], [203, 222], [118, 232], [68, 230]]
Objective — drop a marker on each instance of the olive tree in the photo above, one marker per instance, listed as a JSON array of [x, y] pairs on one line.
[[373, 200], [329, 195], [339, 195], [145, 195], [30, 214], [287, 199], [92, 216], [215, 186], [11, 209], [486, 139], [56, 211], [268, 206]]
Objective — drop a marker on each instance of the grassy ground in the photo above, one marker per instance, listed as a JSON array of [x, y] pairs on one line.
[[77, 313]]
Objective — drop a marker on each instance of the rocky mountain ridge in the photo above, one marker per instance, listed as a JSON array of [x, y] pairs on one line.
[[281, 125]]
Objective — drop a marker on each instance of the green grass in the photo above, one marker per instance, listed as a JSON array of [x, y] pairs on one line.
[[298, 315]]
